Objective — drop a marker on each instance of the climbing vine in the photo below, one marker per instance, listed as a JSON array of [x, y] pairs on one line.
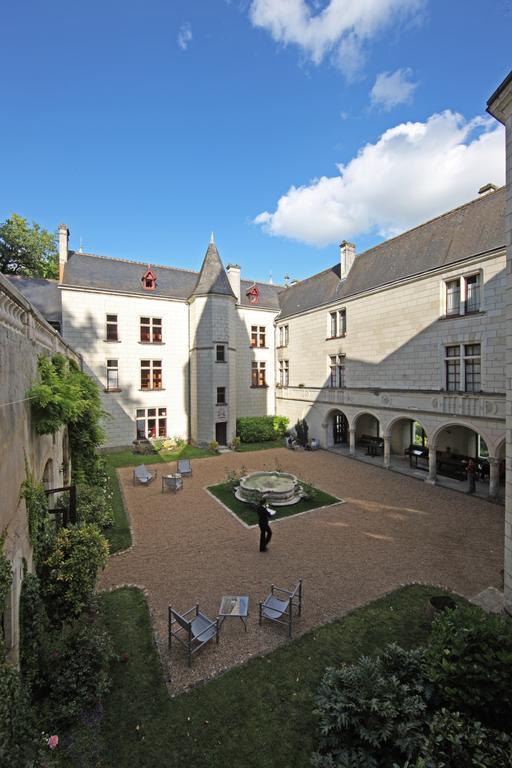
[[5, 585], [65, 396], [40, 526]]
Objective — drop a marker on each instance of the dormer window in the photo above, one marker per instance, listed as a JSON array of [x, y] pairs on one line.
[[149, 280], [253, 294]]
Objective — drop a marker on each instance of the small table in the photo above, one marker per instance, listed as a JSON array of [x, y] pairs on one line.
[[173, 482], [234, 606]]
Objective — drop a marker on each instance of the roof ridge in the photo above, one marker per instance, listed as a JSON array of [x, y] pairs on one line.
[[261, 282], [430, 221], [132, 261]]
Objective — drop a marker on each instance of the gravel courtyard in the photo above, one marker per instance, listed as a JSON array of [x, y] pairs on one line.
[[392, 530]]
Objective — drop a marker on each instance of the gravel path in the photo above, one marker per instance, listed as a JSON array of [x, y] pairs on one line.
[[391, 530]]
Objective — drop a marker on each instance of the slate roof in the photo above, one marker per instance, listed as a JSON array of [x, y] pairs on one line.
[[472, 229], [268, 298], [85, 270], [212, 277], [43, 294]]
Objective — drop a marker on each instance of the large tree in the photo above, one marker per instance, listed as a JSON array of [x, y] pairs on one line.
[[27, 249]]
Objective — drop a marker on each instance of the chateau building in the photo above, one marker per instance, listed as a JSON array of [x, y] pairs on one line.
[[402, 345]]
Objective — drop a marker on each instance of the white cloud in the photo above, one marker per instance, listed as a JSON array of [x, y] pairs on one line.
[[184, 36], [392, 88], [341, 28], [413, 172]]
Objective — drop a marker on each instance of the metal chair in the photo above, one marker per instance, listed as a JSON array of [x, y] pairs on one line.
[[281, 608], [194, 632], [143, 476], [184, 467]]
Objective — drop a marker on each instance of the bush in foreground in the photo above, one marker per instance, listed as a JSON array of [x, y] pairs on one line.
[[372, 713], [470, 662]]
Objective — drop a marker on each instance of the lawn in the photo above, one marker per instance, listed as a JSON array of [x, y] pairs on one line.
[[119, 535], [224, 493], [127, 458], [244, 447], [257, 715]]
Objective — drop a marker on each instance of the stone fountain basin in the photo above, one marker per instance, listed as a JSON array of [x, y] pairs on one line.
[[280, 488]]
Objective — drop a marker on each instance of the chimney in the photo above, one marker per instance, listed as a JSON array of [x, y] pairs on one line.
[[63, 249], [233, 272], [347, 256], [487, 188]]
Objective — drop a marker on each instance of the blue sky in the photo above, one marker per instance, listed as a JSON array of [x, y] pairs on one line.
[[283, 125]]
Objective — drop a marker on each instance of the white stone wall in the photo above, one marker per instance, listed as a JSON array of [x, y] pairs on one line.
[[255, 401], [212, 322], [508, 514], [84, 327], [24, 337], [396, 337]]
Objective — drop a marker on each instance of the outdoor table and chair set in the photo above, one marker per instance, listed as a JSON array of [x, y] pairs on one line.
[[193, 629]]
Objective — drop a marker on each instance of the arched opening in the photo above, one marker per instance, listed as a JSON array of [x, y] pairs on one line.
[[337, 430], [65, 460], [48, 475], [457, 445], [409, 444], [367, 434]]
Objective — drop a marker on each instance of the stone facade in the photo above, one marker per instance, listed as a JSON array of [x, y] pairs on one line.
[[200, 394], [500, 106], [24, 337]]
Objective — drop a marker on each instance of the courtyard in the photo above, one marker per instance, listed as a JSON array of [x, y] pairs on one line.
[[390, 530]]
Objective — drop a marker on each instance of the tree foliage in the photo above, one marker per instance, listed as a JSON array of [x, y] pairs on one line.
[[65, 396], [71, 571], [27, 249]]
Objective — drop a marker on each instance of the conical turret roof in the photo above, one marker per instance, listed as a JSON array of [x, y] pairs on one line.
[[212, 277]]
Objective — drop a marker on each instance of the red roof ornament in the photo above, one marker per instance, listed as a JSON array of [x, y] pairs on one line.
[[149, 279], [253, 294]]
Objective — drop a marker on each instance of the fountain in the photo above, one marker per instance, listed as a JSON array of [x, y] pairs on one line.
[[279, 488]]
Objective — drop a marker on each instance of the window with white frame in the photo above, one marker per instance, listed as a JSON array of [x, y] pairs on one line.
[[258, 336], [283, 335], [220, 353], [112, 376], [337, 323], [258, 374], [151, 422], [151, 330], [463, 367], [151, 374], [336, 371], [463, 295], [472, 293], [112, 328], [284, 373], [472, 368]]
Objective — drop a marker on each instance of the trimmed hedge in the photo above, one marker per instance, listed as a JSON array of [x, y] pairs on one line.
[[259, 429]]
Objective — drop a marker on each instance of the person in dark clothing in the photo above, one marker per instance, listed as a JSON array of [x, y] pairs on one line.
[[264, 515]]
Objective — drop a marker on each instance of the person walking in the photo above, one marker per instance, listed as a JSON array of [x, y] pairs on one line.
[[264, 514], [471, 473]]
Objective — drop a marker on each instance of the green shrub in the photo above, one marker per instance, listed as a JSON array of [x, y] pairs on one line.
[[5, 585], [470, 662], [233, 477], [76, 669], [372, 713], [235, 443], [41, 526], [71, 570], [19, 738], [213, 446], [260, 429], [455, 741], [33, 629], [302, 430], [93, 504]]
